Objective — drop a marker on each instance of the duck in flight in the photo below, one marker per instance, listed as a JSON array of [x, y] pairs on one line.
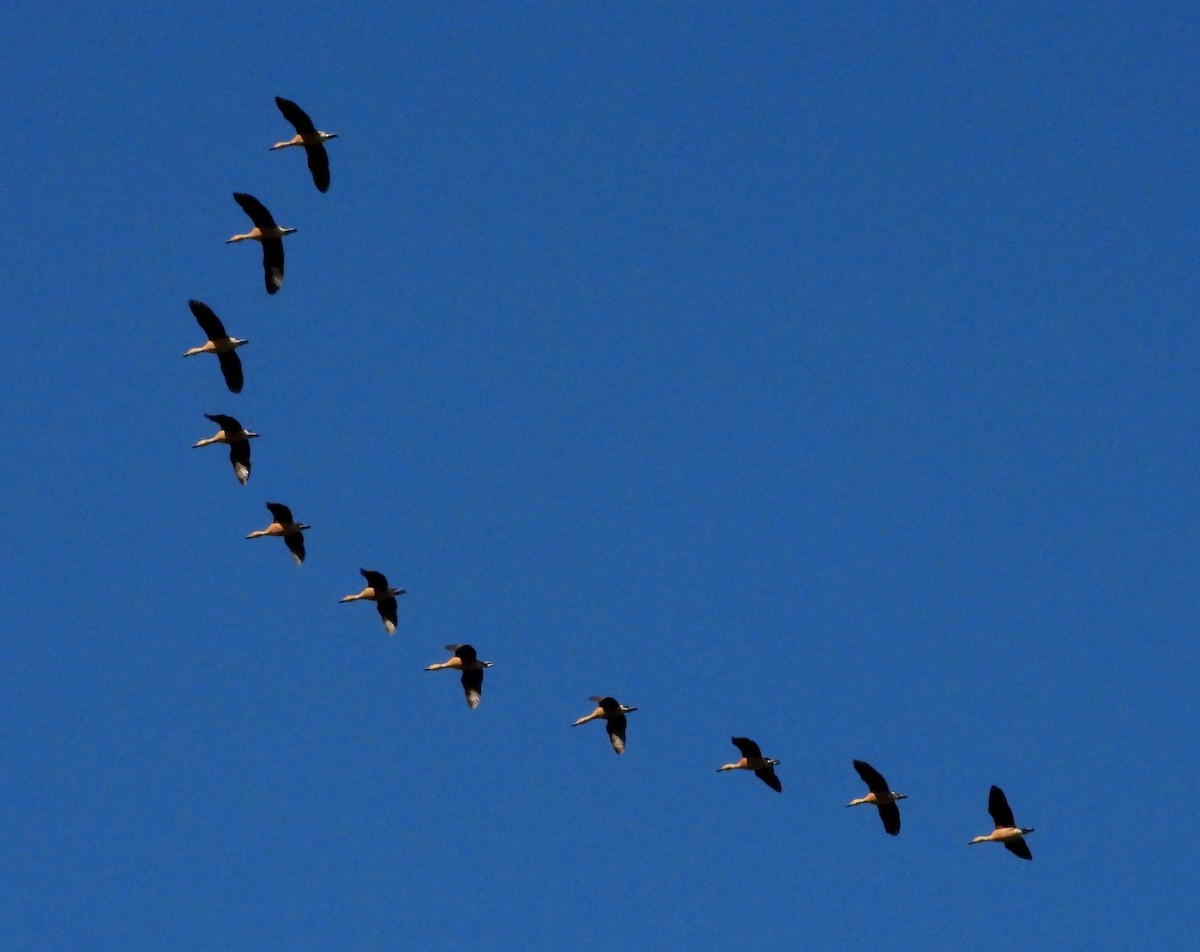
[[238, 438], [219, 343], [752, 759], [467, 661], [382, 594], [282, 524], [613, 713], [879, 795], [1006, 831], [268, 234], [310, 137]]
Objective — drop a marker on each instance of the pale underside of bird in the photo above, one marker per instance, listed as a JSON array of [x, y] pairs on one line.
[[467, 661], [753, 760], [613, 713], [283, 524], [383, 595], [310, 138], [1006, 831], [268, 234], [220, 343], [237, 437], [880, 795]]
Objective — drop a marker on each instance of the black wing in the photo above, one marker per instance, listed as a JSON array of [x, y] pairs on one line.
[[295, 543], [889, 813], [280, 512], [472, 682], [377, 580], [256, 210], [466, 652], [225, 422], [1018, 847], [273, 264], [239, 456], [318, 164], [616, 731], [999, 809], [767, 776], [871, 777], [231, 369], [747, 747], [389, 612], [295, 115], [208, 321]]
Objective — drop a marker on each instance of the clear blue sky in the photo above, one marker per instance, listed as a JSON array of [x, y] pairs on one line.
[[821, 373]]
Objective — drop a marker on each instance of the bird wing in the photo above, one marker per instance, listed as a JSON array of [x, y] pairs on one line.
[[282, 513], [225, 422], [208, 321], [231, 369], [472, 682], [747, 747], [318, 164], [256, 210], [889, 813], [616, 731], [609, 705], [999, 809], [388, 611], [1019, 847], [466, 652], [377, 580], [295, 544], [239, 456], [767, 776], [871, 777], [273, 264], [295, 115]]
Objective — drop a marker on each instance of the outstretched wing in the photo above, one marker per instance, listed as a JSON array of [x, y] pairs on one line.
[[225, 422], [318, 164], [747, 747], [767, 776], [871, 777], [295, 115], [280, 512], [231, 370], [472, 682], [1019, 847], [295, 544], [256, 210], [208, 321], [616, 732], [388, 611], [377, 580], [273, 264], [889, 813], [999, 809], [239, 456]]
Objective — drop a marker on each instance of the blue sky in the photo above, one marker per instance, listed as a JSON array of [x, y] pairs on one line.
[[820, 373]]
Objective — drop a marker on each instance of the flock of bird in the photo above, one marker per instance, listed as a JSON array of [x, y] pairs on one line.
[[464, 658]]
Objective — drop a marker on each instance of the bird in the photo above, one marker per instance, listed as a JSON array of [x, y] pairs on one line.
[[283, 524], [613, 713], [237, 437], [268, 234], [383, 595], [308, 136], [466, 660], [219, 343], [1006, 831], [752, 759], [880, 795]]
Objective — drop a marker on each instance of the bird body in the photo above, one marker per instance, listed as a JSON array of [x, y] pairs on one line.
[[220, 343], [284, 525], [613, 712], [268, 234], [310, 137], [753, 760], [467, 661], [377, 590], [238, 437], [1006, 831], [880, 795]]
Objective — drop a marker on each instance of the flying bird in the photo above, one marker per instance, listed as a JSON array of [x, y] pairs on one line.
[[310, 137], [282, 524], [268, 234], [613, 713], [466, 660], [238, 438], [1006, 831], [219, 343], [752, 759], [382, 594], [879, 795]]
